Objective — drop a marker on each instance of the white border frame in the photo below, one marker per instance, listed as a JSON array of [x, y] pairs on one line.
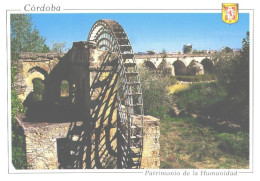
[[12, 170]]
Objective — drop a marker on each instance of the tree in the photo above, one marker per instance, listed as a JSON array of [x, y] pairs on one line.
[[24, 38], [58, 47], [195, 52], [187, 49], [227, 50], [164, 54], [46, 49], [233, 72], [239, 83]]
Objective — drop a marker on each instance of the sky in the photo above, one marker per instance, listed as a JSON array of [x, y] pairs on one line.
[[149, 31]]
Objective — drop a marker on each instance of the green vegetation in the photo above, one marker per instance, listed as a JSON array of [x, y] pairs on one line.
[[227, 50], [236, 144], [197, 78], [188, 141], [187, 49], [58, 47], [64, 89], [232, 71], [18, 141], [164, 54], [200, 96], [199, 51], [24, 38], [212, 131], [185, 143], [38, 89], [155, 94]]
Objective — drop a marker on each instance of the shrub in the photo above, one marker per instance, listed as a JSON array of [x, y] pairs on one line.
[[155, 95], [18, 149], [237, 144], [232, 71], [18, 143]]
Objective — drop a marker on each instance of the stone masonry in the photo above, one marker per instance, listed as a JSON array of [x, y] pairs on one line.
[[41, 143], [42, 138], [31, 66]]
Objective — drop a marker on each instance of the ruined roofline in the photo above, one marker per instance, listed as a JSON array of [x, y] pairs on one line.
[[32, 56]]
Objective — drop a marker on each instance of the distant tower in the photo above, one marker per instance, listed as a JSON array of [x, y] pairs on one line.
[[187, 48]]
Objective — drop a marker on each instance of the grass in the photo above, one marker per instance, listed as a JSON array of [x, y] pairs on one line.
[[187, 144], [193, 139], [200, 96], [196, 78], [177, 88], [236, 144]]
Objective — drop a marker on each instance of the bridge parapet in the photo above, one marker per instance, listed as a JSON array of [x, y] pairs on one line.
[[179, 61], [138, 56]]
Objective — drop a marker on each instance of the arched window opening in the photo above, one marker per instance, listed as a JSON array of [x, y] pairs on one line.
[[64, 88], [38, 89]]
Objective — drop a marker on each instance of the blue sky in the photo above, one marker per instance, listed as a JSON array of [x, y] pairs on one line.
[[148, 31]]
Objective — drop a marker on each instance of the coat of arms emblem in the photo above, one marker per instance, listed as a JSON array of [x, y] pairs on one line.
[[230, 13]]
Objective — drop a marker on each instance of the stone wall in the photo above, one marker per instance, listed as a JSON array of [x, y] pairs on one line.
[[39, 65], [151, 145], [31, 66], [92, 144], [42, 143]]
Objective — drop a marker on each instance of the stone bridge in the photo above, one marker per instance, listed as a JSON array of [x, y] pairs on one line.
[[182, 64]]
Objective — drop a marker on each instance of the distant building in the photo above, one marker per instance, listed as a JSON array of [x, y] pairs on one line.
[[172, 53], [204, 51], [151, 52], [213, 51], [141, 53]]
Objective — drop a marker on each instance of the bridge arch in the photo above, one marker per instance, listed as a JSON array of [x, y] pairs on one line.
[[149, 64], [207, 65], [180, 67]]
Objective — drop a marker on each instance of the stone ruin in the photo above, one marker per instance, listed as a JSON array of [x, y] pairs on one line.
[[55, 135]]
